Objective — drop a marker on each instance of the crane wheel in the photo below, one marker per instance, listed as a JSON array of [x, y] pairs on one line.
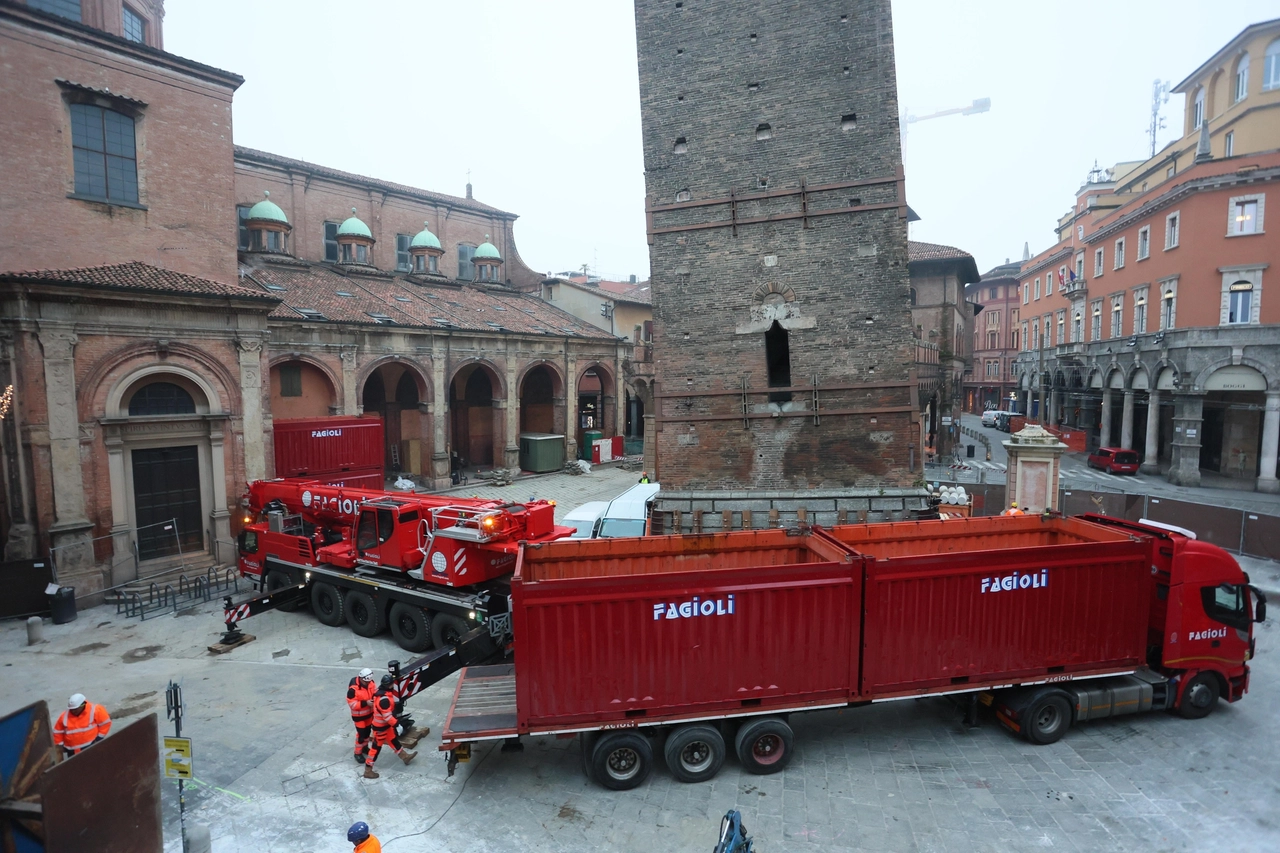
[[410, 626]]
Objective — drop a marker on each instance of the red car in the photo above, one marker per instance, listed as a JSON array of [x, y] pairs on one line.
[[1114, 460]]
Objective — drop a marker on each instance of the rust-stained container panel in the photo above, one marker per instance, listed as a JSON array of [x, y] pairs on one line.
[[607, 628], [950, 603]]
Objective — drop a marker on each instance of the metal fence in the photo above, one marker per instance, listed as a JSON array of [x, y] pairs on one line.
[[158, 530]]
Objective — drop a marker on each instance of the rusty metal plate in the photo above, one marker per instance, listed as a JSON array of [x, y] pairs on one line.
[[1216, 524], [1261, 536], [26, 751], [107, 798]]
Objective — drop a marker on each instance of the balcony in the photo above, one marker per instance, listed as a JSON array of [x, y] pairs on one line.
[[1079, 287], [1069, 350]]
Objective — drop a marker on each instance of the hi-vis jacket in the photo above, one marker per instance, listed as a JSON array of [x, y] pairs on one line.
[[76, 732]]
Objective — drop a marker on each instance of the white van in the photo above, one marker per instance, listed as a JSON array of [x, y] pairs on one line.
[[628, 513], [583, 519]]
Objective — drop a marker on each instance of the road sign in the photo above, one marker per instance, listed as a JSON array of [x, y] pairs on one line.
[[177, 757]]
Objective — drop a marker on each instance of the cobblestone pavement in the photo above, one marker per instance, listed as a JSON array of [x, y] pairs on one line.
[[567, 490], [273, 757]]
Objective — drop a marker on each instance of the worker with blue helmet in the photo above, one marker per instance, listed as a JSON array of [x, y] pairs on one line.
[[364, 842]]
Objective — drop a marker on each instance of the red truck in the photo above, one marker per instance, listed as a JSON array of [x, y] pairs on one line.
[[429, 567], [698, 645]]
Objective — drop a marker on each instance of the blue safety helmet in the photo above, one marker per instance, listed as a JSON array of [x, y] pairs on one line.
[[358, 832]]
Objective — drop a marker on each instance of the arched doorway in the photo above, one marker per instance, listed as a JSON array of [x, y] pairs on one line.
[[1232, 421], [538, 401], [392, 392], [474, 417], [301, 390], [160, 448], [595, 404]]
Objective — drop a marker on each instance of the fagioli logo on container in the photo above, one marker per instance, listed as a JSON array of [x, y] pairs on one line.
[[693, 608], [1016, 581], [326, 433]]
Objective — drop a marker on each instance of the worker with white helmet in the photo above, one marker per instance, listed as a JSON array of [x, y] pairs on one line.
[[360, 692], [83, 724]]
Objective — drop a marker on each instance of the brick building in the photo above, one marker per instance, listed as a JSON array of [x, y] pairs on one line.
[[777, 229], [174, 311], [990, 382], [1147, 325]]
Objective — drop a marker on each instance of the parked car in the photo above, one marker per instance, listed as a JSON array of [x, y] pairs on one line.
[[583, 519], [1114, 460], [628, 513]]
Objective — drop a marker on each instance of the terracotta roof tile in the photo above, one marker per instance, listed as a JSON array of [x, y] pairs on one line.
[[917, 251], [138, 277], [343, 295]]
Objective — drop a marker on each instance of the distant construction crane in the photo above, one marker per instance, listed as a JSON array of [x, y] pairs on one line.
[[979, 105]]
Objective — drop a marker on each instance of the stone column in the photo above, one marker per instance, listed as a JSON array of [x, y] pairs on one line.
[[255, 458], [350, 393], [1104, 431], [70, 532], [1151, 459], [1026, 409], [570, 403], [1055, 404], [220, 514], [1270, 446], [1126, 420], [21, 541], [511, 452], [439, 421], [1184, 467]]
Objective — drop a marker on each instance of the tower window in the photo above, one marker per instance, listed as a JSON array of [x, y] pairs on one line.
[[466, 269], [777, 351], [242, 213], [763, 132], [331, 241], [402, 251], [680, 147], [684, 195], [135, 26], [848, 121]]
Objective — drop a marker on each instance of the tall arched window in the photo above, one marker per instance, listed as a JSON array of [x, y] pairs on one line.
[[777, 351], [161, 398], [1271, 67], [1197, 110], [1241, 87]]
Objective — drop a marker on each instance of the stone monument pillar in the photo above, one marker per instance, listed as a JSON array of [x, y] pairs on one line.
[[1035, 457]]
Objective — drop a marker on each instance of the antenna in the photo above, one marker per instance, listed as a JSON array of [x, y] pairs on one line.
[[1159, 97]]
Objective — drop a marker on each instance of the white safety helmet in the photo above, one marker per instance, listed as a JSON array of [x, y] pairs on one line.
[[76, 700], [366, 674]]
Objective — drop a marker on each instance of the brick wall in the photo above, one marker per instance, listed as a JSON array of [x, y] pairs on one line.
[[829, 265]]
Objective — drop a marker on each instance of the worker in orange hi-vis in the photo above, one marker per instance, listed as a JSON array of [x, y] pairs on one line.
[[1013, 510], [364, 841], [360, 692], [384, 728], [81, 725]]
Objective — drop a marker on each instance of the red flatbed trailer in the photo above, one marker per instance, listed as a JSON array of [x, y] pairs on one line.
[[714, 639]]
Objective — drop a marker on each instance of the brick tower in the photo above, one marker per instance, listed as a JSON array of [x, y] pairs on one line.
[[777, 230]]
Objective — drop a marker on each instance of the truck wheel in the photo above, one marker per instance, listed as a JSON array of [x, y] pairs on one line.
[[1047, 719], [278, 580], [621, 760], [328, 603], [764, 745], [362, 614], [447, 630], [694, 753], [1200, 696], [410, 627]]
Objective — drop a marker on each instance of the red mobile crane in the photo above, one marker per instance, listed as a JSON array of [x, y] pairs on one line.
[[430, 567]]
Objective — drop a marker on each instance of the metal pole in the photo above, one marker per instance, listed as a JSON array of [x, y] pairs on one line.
[[173, 703]]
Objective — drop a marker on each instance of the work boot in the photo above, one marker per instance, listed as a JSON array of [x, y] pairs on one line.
[[360, 758], [369, 772], [406, 756]]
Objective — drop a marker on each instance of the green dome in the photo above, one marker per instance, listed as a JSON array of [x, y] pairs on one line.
[[486, 251], [424, 239], [354, 227], [267, 210]]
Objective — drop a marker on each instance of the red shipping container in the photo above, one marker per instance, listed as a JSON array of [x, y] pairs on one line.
[[312, 447], [607, 630], [1012, 599]]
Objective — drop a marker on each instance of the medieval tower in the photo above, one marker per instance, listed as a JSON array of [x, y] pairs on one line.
[[776, 219]]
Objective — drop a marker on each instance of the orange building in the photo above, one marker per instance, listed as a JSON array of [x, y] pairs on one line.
[[1147, 324]]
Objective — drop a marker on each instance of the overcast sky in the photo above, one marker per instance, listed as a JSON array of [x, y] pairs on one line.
[[539, 100]]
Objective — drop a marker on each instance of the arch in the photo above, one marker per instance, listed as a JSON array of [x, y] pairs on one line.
[[556, 373], [1076, 379], [1238, 68], [1167, 377], [311, 392], [495, 374], [477, 422], [538, 388], [1139, 378], [98, 395], [1271, 67], [335, 381], [160, 398], [1273, 384], [595, 393], [1113, 377], [419, 374], [395, 389], [199, 387]]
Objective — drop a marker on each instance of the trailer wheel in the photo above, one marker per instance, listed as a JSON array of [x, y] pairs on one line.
[[694, 753], [621, 760], [764, 745], [1200, 696], [363, 615], [278, 580], [328, 603], [447, 630], [1047, 719], [410, 626]]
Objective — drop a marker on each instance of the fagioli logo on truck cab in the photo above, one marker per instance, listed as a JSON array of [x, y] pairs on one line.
[[693, 608], [1016, 580], [344, 506]]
